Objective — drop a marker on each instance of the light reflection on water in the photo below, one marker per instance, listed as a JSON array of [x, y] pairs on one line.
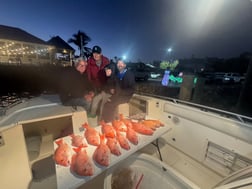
[[11, 99]]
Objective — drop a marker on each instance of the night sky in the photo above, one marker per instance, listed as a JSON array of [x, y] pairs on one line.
[[140, 29]]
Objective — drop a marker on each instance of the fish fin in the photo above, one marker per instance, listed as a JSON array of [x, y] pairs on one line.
[[58, 142], [102, 122], [83, 145], [77, 149], [85, 125]]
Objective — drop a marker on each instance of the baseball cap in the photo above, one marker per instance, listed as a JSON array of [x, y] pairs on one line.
[[96, 49]]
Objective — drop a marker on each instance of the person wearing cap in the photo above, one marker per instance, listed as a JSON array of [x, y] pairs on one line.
[[124, 90], [95, 68], [75, 88]]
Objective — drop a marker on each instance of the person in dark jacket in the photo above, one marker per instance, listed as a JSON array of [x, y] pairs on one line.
[[75, 88], [110, 72], [96, 65], [125, 87]]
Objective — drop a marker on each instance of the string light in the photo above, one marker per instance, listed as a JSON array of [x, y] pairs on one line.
[[20, 49], [8, 49]]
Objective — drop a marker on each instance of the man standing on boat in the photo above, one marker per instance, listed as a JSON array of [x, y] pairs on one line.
[[108, 89], [97, 76], [125, 87], [75, 88]]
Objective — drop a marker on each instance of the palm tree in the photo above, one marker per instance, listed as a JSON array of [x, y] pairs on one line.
[[116, 59], [81, 39]]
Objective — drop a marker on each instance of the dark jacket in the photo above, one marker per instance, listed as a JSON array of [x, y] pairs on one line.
[[96, 74], [126, 85], [73, 85], [110, 81]]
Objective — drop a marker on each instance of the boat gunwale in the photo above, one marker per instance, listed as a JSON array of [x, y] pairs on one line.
[[238, 117]]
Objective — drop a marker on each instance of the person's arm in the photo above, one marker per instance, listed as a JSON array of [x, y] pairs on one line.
[[87, 84], [89, 91], [105, 60], [88, 71], [88, 97]]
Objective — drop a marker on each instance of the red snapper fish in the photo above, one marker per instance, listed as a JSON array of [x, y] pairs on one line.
[[107, 130], [122, 141], [102, 153], [81, 163], [119, 125], [131, 135], [92, 135], [127, 122], [141, 128], [78, 141], [113, 146], [62, 154], [153, 124]]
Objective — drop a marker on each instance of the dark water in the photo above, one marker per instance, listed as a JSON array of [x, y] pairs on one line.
[[28, 79], [22, 82]]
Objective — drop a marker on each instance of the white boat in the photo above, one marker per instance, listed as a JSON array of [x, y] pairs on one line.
[[200, 147]]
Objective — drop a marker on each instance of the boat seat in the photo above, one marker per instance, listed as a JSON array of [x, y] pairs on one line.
[[123, 109], [33, 146]]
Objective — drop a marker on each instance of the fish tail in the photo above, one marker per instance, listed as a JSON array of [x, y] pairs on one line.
[[102, 138], [121, 116], [111, 135], [85, 125], [58, 142], [77, 149], [83, 145], [102, 122]]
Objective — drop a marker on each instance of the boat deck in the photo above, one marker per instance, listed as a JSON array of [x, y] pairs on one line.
[[204, 147]]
